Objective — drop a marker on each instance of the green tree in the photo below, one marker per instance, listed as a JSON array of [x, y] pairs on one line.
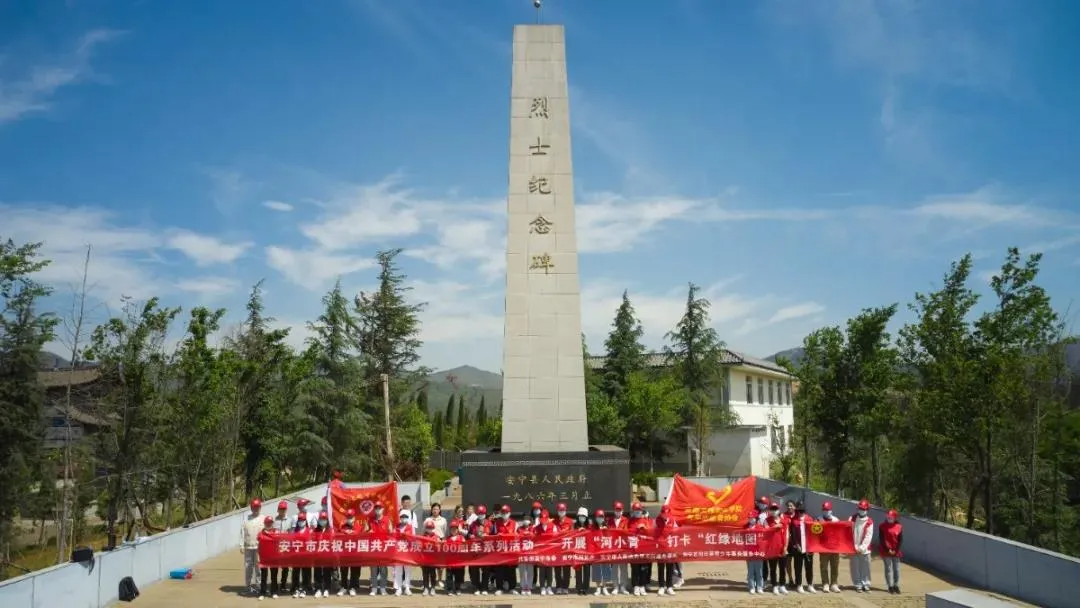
[[438, 431], [606, 424], [695, 354], [625, 353], [481, 413], [23, 333], [131, 351], [652, 410], [449, 421], [422, 402]]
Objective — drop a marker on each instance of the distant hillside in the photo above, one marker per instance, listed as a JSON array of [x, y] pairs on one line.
[[795, 355], [466, 380], [47, 360]]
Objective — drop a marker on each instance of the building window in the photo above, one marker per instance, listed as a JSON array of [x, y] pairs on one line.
[[750, 390], [789, 393], [725, 398], [760, 391], [771, 392]]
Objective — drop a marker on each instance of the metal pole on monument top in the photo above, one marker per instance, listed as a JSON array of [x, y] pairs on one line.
[[537, 6]]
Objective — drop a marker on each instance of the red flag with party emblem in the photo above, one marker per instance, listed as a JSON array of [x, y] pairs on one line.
[[694, 504], [830, 537], [362, 499]]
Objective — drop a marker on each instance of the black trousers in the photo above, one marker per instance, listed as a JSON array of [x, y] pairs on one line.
[[581, 578], [455, 578], [562, 577], [544, 580], [778, 571], [301, 579], [428, 574], [322, 578], [803, 564], [349, 577], [275, 585], [639, 575], [479, 577], [665, 574]]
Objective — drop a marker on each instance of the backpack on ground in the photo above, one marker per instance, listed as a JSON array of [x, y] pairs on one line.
[[128, 591]]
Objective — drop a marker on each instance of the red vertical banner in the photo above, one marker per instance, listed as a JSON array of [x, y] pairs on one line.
[[363, 500], [695, 504]]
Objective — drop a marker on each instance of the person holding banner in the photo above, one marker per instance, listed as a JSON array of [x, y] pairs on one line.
[[803, 560], [455, 577], [755, 568], [264, 574], [350, 575], [504, 575], [829, 562], [249, 546], [563, 524], [322, 574], [640, 524], [401, 574], [545, 528], [863, 530], [619, 572], [428, 572], [777, 568], [478, 529], [379, 525], [582, 572], [665, 571], [282, 525], [602, 571], [525, 571], [301, 576]]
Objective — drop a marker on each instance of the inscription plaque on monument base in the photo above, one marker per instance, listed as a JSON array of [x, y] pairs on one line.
[[593, 479]]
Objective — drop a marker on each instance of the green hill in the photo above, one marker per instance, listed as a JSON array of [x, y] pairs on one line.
[[465, 380]]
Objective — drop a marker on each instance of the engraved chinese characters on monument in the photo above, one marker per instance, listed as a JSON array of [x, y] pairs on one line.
[[539, 148], [539, 108], [539, 185], [550, 487], [541, 225], [542, 262]]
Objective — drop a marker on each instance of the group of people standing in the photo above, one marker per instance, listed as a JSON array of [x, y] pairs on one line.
[[468, 523], [796, 566], [472, 522]]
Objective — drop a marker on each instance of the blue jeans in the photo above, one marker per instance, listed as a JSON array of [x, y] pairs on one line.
[[755, 574]]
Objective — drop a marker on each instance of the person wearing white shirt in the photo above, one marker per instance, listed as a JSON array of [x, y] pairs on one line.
[[401, 573], [441, 528], [249, 546], [864, 534]]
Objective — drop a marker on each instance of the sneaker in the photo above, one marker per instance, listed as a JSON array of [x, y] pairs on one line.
[[598, 591], [274, 596], [836, 588], [858, 589], [783, 589], [352, 592], [498, 592], [262, 597], [397, 591], [776, 590], [896, 590], [800, 589], [753, 590], [671, 591], [408, 591], [824, 588], [810, 589], [661, 591], [341, 593], [607, 591]]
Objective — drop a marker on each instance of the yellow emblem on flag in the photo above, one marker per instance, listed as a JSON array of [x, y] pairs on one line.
[[817, 528]]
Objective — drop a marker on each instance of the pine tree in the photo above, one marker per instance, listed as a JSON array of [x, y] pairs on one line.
[[449, 420], [695, 354], [481, 413], [625, 353], [23, 333], [438, 430], [422, 402]]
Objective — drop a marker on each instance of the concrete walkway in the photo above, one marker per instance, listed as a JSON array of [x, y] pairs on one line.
[[218, 583]]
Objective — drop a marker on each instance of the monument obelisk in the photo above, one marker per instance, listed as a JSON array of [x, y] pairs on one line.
[[543, 372], [544, 454]]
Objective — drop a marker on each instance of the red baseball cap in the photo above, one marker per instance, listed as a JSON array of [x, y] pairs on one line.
[[537, 505], [282, 506], [826, 506], [504, 509], [618, 506], [481, 510], [635, 506], [864, 504], [599, 513], [268, 521], [561, 506], [430, 525], [324, 515], [893, 514], [255, 503]]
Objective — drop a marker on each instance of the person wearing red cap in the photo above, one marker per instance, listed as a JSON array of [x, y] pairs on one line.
[[264, 573], [379, 525], [777, 569], [890, 537], [755, 568], [504, 575], [249, 546], [864, 534], [639, 523], [563, 524], [802, 560], [665, 571], [322, 574], [525, 570], [349, 576], [478, 529], [601, 572], [545, 528], [427, 573], [620, 574], [301, 576], [829, 563], [279, 577], [455, 577]]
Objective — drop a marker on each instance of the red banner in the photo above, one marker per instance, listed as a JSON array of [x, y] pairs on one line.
[[695, 504], [692, 544], [362, 500], [830, 537]]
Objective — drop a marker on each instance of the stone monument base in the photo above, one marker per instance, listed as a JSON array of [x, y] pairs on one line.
[[593, 479]]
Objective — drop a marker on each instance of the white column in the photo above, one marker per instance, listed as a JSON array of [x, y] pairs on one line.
[[543, 373]]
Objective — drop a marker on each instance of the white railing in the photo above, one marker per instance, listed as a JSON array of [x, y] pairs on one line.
[[1020, 571], [96, 584]]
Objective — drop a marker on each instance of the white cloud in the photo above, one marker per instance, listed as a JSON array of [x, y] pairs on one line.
[[211, 287], [797, 311], [33, 90], [206, 250], [278, 206], [365, 214], [229, 188], [313, 268]]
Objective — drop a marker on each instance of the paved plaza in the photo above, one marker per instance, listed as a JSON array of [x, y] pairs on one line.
[[218, 582]]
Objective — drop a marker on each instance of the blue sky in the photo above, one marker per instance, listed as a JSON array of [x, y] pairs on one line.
[[798, 160]]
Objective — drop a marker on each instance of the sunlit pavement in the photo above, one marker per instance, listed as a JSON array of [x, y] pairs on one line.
[[218, 583]]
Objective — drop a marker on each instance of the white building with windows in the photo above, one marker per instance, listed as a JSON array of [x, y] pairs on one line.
[[761, 394]]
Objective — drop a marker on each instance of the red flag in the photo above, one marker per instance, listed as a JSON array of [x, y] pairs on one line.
[[830, 537], [694, 504], [363, 500]]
